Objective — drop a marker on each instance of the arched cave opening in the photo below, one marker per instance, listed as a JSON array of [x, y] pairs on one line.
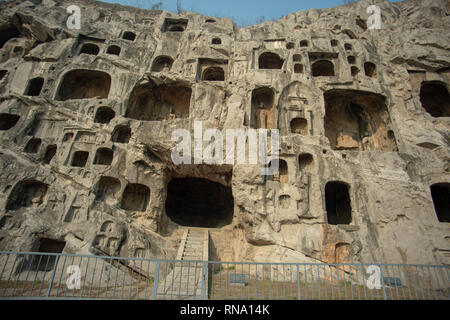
[[156, 103], [115, 50], [435, 99], [197, 202], [128, 35], [90, 48], [33, 145], [263, 108], [305, 162], [323, 68], [7, 34], [213, 74], [107, 190], [135, 197], [370, 69], [121, 134], [270, 60], [162, 63], [84, 84], [26, 193], [299, 126], [104, 115], [358, 120]]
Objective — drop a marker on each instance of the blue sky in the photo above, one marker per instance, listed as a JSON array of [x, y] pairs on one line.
[[243, 12]]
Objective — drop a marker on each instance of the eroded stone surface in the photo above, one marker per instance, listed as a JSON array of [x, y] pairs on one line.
[[86, 119]]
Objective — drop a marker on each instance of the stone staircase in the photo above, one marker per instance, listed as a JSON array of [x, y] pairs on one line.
[[185, 280]]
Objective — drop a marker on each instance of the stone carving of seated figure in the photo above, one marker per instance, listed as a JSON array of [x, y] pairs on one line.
[[166, 67], [172, 114]]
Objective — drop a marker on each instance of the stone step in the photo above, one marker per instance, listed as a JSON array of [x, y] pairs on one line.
[[187, 280], [192, 253], [198, 252], [194, 242], [194, 238], [198, 234], [193, 247], [192, 257]]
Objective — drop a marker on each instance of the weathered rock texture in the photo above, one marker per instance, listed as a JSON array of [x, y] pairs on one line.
[[86, 118]]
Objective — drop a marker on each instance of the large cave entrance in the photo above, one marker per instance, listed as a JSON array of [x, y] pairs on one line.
[[197, 202]]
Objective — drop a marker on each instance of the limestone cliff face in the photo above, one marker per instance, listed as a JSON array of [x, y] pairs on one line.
[[86, 118]]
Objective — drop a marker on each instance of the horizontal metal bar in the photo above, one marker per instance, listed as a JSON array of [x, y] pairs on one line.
[[218, 262]]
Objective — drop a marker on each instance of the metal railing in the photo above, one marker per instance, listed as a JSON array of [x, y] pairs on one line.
[[65, 276]]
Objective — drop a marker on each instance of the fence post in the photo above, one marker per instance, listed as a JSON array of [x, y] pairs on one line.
[[155, 281], [53, 277], [204, 280], [382, 282], [298, 284]]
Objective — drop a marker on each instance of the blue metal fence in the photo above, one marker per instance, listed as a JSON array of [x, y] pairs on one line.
[[66, 276]]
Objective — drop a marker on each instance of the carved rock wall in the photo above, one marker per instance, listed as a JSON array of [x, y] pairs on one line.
[[86, 118]]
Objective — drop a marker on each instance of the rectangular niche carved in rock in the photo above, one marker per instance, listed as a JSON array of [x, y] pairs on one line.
[[135, 197], [7, 121], [157, 103], [34, 87], [33, 145], [27, 193], [175, 25], [84, 84], [212, 70], [263, 109], [79, 159], [323, 64], [337, 202], [440, 193], [107, 190], [47, 263], [358, 120]]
